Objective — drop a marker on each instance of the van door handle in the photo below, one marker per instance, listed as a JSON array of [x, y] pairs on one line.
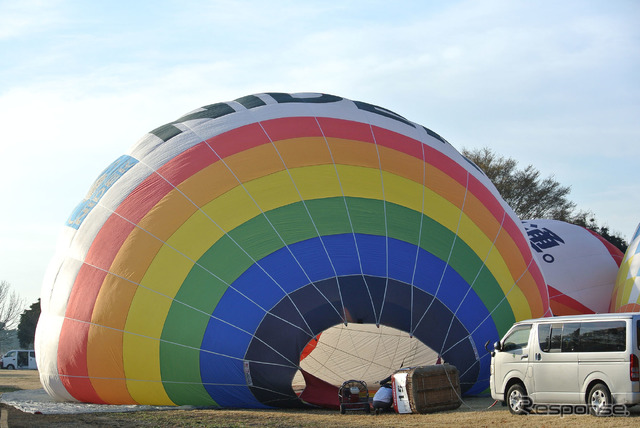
[[524, 356], [538, 356]]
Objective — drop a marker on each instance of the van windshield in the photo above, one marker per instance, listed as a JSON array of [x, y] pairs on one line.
[[517, 339]]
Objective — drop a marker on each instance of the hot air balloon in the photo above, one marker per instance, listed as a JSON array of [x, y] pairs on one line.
[[626, 294], [202, 263], [579, 265]]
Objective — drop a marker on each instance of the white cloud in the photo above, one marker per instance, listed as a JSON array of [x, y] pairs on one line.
[[28, 17]]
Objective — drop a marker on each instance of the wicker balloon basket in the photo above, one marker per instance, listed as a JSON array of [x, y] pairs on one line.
[[433, 388]]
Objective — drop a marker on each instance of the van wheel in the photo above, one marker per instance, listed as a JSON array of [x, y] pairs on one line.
[[518, 401], [10, 367], [599, 400]]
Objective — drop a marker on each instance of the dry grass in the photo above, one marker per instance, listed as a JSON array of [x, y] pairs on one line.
[[473, 413]]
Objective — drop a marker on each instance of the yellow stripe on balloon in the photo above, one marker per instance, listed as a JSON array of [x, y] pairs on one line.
[[514, 292], [194, 236], [360, 182], [620, 286], [403, 192], [626, 282], [273, 191], [141, 347], [316, 182], [243, 209], [145, 322]]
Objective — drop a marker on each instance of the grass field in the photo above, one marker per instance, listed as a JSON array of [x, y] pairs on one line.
[[474, 412]]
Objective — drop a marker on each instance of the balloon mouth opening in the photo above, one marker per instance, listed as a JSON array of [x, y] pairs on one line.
[[362, 352]]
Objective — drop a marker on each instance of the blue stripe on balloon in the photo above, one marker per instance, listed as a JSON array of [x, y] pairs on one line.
[[285, 270], [237, 310], [373, 254], [401, 260], [428, 272], [223, 338], [257, 286], [342, 252], [227, 383], [313, 257]]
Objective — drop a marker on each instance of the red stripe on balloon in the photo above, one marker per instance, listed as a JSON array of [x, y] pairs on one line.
[[287, 128], [561, 304], [72, 349], [72, 361]]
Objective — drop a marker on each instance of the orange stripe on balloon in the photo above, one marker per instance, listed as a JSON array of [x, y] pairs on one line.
[[105, 365], [629, 307]]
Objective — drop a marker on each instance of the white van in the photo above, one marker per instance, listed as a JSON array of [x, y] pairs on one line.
[[590, 362], [19, 359]]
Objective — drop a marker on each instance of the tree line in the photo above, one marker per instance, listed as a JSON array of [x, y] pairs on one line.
[[535, 197]]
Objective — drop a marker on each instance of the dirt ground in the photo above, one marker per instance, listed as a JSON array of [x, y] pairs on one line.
[[474, 412]]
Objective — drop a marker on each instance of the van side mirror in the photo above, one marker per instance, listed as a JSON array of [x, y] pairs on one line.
[[496, 347]]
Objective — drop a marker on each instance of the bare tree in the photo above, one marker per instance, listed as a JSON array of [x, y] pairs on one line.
[[11, 306], [533, 197]]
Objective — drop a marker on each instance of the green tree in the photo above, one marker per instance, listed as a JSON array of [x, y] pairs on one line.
[[27, 325], [532, 196]]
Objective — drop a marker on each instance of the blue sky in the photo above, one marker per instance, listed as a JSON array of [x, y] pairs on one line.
[[552, 84]]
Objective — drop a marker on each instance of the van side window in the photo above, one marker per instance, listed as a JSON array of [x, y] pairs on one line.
[[571, 337], [603, 336], [517, 339], [544, 331], [555, 339]]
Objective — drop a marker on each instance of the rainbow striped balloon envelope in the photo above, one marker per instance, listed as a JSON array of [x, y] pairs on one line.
[[203, 262]]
